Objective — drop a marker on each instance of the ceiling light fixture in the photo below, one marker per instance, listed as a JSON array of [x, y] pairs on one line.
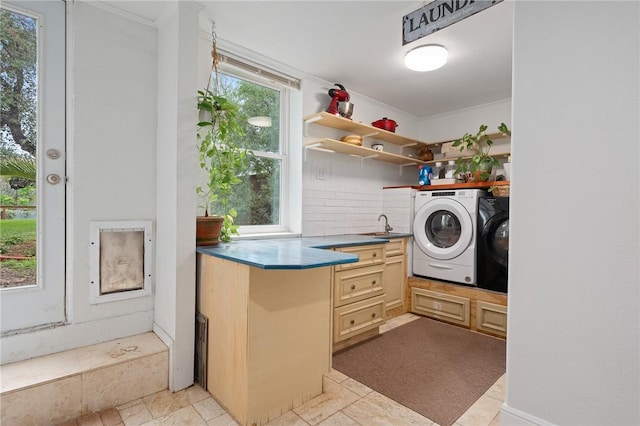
[[260, 121], [428, 57]]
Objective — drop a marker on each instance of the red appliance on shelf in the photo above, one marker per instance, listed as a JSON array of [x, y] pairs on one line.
[[337, 95]]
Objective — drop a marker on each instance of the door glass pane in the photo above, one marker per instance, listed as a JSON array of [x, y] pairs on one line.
[[18, 143], [443, 229]]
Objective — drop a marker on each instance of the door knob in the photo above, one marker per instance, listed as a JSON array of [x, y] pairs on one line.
[[54, 154], [53, 179]]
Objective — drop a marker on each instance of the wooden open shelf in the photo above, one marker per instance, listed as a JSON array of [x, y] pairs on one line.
[[365, 130], [337, 122], [362, 152]]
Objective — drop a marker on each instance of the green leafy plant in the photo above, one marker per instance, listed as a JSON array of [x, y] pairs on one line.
[[18, 167], [221, 156], [480, 144]]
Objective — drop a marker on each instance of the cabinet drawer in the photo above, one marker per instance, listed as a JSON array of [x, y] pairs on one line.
[[357, 284], [367, 255], [395, 247], [453, 309], [491, 318], [355, 318]]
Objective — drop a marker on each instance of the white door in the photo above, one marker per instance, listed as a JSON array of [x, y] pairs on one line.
[[40, 300], [443, 229]]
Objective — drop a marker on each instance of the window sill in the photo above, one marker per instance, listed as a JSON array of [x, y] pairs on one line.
[[266, 235]]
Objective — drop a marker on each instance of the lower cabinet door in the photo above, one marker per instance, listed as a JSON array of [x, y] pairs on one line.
[[355, 318], [491, 318], [446, 307], [394, 282]]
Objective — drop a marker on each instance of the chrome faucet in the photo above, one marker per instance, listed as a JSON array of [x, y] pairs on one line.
[[387, 227]]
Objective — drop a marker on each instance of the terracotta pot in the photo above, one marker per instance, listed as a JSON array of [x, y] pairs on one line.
[[485, 168], [208, 230], [425, 154]]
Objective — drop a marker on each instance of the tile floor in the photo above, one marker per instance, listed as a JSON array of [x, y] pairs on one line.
[[345, 402]]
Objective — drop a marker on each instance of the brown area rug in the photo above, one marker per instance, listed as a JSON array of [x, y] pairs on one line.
[[436, 369]]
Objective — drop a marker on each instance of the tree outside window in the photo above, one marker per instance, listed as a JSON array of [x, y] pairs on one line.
[[258, 196]]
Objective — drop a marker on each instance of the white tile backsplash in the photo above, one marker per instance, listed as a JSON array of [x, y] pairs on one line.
[[398, 205], [349, 198]]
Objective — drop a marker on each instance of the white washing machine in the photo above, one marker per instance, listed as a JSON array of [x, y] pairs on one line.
[[444, 235]]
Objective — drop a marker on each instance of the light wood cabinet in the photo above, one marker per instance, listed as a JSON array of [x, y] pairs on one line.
[[453, 309], [356, 318], [479, 310], [395, 277], [357, 284], [268, 336], [367, 256], [358, 295], [491, 318]]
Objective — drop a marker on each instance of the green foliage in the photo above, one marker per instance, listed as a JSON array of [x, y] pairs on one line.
[[18, 53], [20, 265], [258, 197], [18, 166], [480, 144], [16, 231], [221, 155]]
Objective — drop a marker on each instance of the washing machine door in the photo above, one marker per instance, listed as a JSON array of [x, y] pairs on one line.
[[443, 228], [495, 238]]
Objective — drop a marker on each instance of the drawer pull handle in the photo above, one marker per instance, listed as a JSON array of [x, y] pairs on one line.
[[373, 282], [353, 322], [353, 286], [373, 315], [374, 254]]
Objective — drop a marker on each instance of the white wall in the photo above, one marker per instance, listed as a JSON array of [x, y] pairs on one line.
[[111, 168], [452, 125], [573, 346], [177, 162]]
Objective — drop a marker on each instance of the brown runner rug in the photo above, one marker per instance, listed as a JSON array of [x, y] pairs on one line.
[[436, 369]]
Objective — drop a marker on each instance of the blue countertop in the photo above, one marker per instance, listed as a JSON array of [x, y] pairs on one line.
[[294, 253]]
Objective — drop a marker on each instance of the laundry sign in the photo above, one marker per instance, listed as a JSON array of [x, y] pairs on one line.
[[438, 15]]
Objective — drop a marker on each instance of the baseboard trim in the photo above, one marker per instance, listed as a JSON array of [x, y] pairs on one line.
[[510, 416]]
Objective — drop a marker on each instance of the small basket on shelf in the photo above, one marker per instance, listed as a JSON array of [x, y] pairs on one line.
[[500, 191]]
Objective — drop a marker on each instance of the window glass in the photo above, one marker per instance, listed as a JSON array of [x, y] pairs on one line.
[[258, 198]]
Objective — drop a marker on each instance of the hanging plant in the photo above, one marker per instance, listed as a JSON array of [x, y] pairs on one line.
[[221, 153]]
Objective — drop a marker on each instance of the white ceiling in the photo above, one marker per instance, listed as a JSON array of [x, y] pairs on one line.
[[359, 44]]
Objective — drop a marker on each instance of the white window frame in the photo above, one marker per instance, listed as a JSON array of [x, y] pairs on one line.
[[286, 225]]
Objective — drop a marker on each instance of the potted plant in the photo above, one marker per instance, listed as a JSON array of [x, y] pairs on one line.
[[222, 156], [481, 163], [224, 159]]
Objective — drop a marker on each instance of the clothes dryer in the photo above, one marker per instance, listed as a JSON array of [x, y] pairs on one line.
[[493, 243], [444, 235]]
